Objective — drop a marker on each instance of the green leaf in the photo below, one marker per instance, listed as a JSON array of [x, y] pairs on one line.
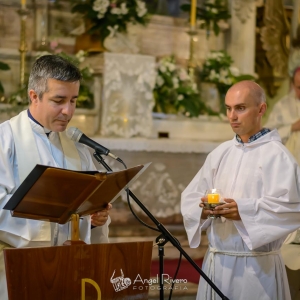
[[1, 89], [185, 7], [4, 66], [216, 28]]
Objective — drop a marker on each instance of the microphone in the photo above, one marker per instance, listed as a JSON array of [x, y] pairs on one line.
[[75, 135]]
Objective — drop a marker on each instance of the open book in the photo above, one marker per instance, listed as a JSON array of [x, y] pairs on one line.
[[54, 194]]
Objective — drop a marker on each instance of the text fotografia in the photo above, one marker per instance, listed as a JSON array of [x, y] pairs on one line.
[[167, 281]]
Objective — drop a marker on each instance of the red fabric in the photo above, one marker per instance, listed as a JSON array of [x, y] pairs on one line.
[[186, 270]]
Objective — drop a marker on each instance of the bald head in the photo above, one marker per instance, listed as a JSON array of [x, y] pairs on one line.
[[245, 105], [251, 89]]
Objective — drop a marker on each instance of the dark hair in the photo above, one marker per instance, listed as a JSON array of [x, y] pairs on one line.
[[54, 67]]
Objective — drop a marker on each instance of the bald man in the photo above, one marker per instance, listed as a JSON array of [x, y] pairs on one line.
[[259, 180]]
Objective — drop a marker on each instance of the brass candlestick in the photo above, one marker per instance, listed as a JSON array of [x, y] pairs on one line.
[[192, 61], [23, 13]]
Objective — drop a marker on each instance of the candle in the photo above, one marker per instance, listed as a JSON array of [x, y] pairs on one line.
[[23, 4], [193, 12], [213, 198]]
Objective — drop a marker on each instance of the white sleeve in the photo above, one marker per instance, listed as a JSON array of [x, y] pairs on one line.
[[99, 234], [277, 212], [190, 200]]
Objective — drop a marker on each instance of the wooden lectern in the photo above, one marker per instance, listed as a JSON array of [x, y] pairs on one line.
[[78, 271]]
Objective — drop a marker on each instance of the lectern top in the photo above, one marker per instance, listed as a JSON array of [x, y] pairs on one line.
[[54, 194]]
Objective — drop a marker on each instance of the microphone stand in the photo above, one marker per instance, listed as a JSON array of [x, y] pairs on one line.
[[167, 236]]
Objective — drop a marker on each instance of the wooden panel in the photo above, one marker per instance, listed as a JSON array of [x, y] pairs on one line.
[[57, 272]]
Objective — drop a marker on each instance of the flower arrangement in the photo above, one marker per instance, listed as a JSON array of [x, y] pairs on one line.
[[175, 91], [85, 99], [218, 69], [105, 17], [212, 12]]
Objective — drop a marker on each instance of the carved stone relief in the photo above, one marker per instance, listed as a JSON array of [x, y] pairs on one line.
[[243, 9]]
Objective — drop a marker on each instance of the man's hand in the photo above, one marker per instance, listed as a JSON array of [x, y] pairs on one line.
[[229, 210], [296, 126], [205, 212], [99, 218]]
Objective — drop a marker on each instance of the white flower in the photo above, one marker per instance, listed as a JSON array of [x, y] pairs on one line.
[[100, 16], [234, 71], [112, 30], [141, 8], [175, 82], [213, 75], [224, 72], [116, 11], [124, 9], [80, 55], [170, 66], [180, 97], [183, 75], [214, 11], [19, 99], [159, 80], [228, 81], [163, 68], [101, 6]]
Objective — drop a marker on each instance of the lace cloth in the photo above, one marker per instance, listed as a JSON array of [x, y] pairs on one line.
[[128, 81]]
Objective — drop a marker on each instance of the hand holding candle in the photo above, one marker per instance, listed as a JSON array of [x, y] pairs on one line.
[[214, 198]]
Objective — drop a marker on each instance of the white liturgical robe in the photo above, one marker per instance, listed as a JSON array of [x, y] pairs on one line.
[[18, 232], [284, 113], [243, 258]]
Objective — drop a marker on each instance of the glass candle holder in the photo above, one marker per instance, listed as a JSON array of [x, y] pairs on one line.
[[214, 198]]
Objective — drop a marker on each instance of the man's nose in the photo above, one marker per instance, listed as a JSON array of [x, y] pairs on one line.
[[232, 115], [67, 109]]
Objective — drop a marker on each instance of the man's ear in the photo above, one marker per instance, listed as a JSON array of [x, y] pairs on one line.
[[34, 98], [262, 109]]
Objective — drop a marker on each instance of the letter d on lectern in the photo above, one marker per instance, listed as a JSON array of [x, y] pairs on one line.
[[94, 284]]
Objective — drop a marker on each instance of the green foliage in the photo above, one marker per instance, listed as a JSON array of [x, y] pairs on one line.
[[3, 67], [175, 91], [211, 13], [218, 69], [104, 17]]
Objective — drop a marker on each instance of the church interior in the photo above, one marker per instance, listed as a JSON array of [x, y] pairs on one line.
[[153, 89]]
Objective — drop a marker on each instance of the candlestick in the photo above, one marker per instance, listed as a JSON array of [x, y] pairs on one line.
[[23, 4], [192, 63], [23, 45], [193, 12]]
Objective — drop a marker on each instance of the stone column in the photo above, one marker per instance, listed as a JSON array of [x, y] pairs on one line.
[[241, 36]]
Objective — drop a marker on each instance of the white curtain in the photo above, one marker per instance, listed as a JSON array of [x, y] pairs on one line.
[[127, 95]]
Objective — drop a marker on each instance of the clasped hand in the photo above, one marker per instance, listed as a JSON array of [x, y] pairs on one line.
[[100, 218], [229, 210]]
